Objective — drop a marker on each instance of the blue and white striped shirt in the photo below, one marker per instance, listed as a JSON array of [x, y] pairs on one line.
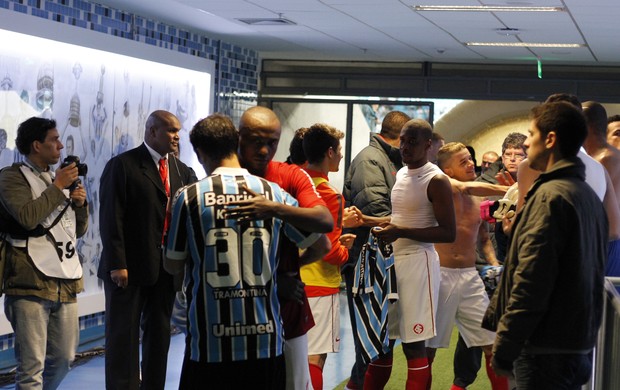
[[233, 310], [374, 286]]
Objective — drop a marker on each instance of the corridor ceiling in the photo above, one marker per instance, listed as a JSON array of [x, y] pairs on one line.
[[392, 30]]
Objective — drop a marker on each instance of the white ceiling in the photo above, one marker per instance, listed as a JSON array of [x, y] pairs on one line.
[[390, 30]]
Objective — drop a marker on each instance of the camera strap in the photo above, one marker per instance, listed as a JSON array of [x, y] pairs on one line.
[[46, 176], [57, 219], [48, 234]]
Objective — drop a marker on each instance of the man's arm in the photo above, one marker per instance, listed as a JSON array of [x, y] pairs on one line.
[[176, 251], [370, 221], [316, 219], [526, 177], [478, 188], [611, 162], [111, 216], [440, 195], [17, 199], [78, 197], [485, 245], [339, 253], [173, 266], [610, 203], [316, 251]]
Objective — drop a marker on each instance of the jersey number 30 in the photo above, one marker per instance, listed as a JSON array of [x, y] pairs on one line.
[[237, 258]]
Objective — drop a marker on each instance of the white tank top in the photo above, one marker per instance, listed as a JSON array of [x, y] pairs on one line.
[[411, 206], [595, 173]]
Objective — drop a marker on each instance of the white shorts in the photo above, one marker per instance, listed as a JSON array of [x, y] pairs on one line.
[[412, 317], [297, 369], [462, 299], [324, 336]]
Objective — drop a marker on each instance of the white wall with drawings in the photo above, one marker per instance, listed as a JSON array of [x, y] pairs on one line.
[[100, 91]]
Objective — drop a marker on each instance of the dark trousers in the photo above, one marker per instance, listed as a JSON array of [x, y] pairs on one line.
[[358, 371], [127, 311], [552, 371], [261, 374], [467, 363]]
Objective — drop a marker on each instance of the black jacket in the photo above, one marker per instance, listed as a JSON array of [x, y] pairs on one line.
[[550, 297], [132, 212], [368, 185]]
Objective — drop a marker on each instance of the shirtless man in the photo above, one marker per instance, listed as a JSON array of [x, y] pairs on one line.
[[597, 147], [596, 142], [462, 297], [613, 131]]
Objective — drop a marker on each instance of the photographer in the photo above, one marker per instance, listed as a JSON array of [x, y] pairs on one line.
[[42, 220]]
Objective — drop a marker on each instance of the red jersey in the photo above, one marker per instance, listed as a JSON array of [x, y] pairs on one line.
[[297, 318], [323, 277]]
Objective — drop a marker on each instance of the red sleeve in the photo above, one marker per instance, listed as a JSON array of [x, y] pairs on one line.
[[296, 182], [339, 254], [306, 195]]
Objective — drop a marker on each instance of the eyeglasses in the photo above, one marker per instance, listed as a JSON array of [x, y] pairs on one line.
[[514, 156]]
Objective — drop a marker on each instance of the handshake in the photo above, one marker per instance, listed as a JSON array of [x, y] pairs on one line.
[[495, 210]]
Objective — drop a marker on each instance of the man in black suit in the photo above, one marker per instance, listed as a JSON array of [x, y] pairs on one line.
[[138, 292]]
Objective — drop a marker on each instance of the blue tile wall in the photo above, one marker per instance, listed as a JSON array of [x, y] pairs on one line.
[[238, 80]]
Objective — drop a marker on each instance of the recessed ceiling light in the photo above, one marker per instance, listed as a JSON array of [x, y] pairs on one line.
[[507, 31], [485, 8], [267, 21], [524, 44]]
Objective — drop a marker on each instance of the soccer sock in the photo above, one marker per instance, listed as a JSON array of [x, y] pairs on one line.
[[418, 374], [430, 371], [378, 374], [316, 376], [497, 382], [455, 387]]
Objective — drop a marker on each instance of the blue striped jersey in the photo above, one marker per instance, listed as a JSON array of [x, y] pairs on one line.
[[232, 309], [374, 286]]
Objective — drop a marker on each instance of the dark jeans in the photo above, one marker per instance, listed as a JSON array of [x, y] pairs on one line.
[[467, 363], [358, 371], [552, 371]]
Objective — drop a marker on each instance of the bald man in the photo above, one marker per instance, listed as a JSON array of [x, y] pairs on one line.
[[135, 192], [259, 136]]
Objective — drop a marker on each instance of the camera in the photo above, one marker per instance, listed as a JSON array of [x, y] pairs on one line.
[[82, 169], [494, 210]]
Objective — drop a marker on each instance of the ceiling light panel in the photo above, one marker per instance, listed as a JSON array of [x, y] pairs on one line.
[[484, 8], [525, 44]]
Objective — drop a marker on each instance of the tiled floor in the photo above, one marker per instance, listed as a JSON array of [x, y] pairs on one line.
[[90, 375]]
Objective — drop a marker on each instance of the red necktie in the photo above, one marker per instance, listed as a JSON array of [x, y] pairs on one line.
[[163, 173]]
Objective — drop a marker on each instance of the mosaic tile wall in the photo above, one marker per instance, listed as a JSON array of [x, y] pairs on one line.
[[236, 78], [236, 71]]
